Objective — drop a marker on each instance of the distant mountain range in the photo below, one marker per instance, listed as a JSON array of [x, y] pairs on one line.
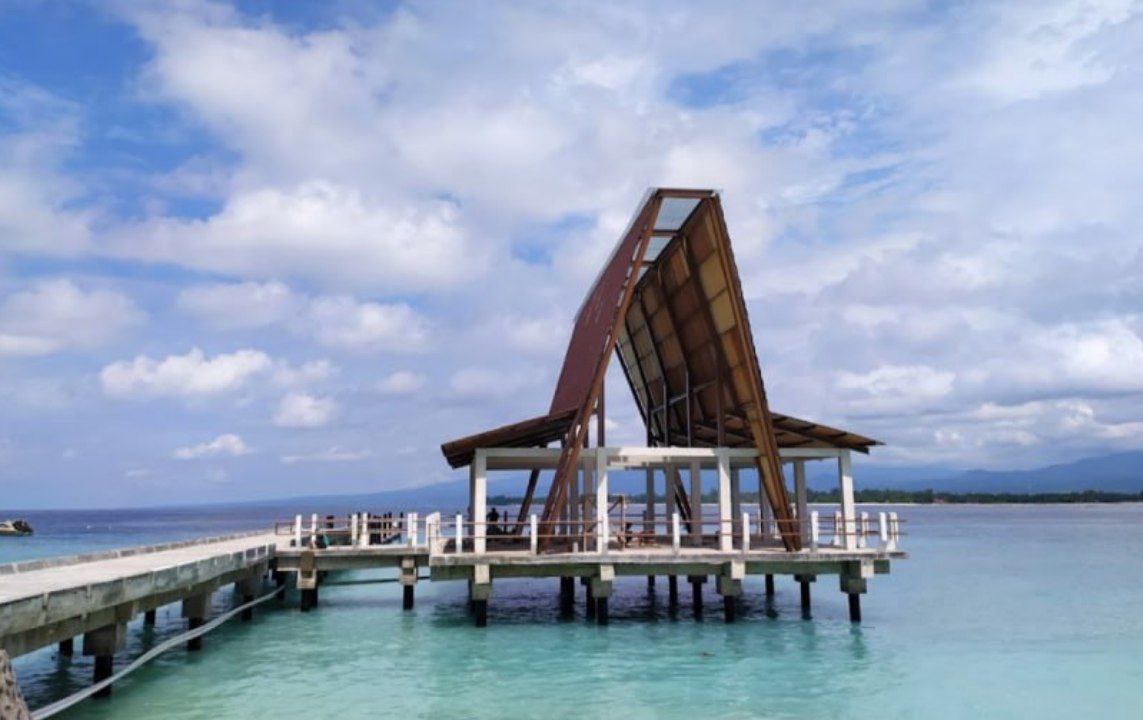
[[1119, 472]]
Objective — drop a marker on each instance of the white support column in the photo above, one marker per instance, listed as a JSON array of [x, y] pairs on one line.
[[459, 533], [353, 530], [534, 526], [862, 529], [649, 513], [725, 529], [894, 532], [696, 504], [479, 500], [675, 539], [800, 500], [745, 532], [736, 495], [602, 521], [845, 490], [883, 529], [298, 531], [815, 530], [411, 528], [668, 494], [313, 528]]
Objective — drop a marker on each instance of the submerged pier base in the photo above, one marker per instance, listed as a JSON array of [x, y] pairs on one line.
[[853, 583], [673, 592], [67, 647], [196, 609], [697, 581], [408, 582], [769, 585], [567, 596], [600, 588], [729, 586], [102, 644], [149, 618], [804, 590]]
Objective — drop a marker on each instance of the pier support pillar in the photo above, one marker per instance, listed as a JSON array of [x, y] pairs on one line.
[[769, 585], [567, 596], [102, 644], [104, 668], [149, 618], [730, 589], [246, 589], [697, 581], [67, 647], [673, 592], [650, 583], [589, 606], [729, 586], [279, 578], [853, 583], [408, 581], [481, 591], [600, 587], [307, 580], [804, 587], [196, 609]]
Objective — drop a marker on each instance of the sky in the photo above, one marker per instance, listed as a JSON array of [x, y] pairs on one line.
[[269, 249]]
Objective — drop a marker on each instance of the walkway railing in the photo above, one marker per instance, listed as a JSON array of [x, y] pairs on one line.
[[745, 533]]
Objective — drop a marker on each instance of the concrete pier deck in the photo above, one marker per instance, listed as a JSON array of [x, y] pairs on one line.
[[48, 601]]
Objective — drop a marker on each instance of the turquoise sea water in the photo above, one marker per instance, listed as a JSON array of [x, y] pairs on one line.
[[1001, 612]]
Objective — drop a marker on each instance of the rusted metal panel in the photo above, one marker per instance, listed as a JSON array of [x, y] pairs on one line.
[[596, 319]]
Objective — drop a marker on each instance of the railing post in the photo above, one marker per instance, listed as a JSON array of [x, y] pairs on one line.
[[298, 530], [353, 530], [363, 537], [745, 532], [815, 529], [313, 529], [862, 527], [675, 531], [534, 528], [894, 531], [459, 533], [839, 529], [883, 529]]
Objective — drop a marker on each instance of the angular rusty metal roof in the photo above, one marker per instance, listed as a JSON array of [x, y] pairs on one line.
[[669, 301]]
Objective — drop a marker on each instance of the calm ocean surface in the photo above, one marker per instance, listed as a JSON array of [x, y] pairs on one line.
[[1001, 612]]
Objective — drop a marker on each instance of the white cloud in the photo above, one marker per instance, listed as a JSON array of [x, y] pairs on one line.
[[401, 382], [316, 230], [343, 322], [333, 454], [226, 444], [299, 376], [189, 375], [298, 410], [332, 320], [241, 305], [55, 315]]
